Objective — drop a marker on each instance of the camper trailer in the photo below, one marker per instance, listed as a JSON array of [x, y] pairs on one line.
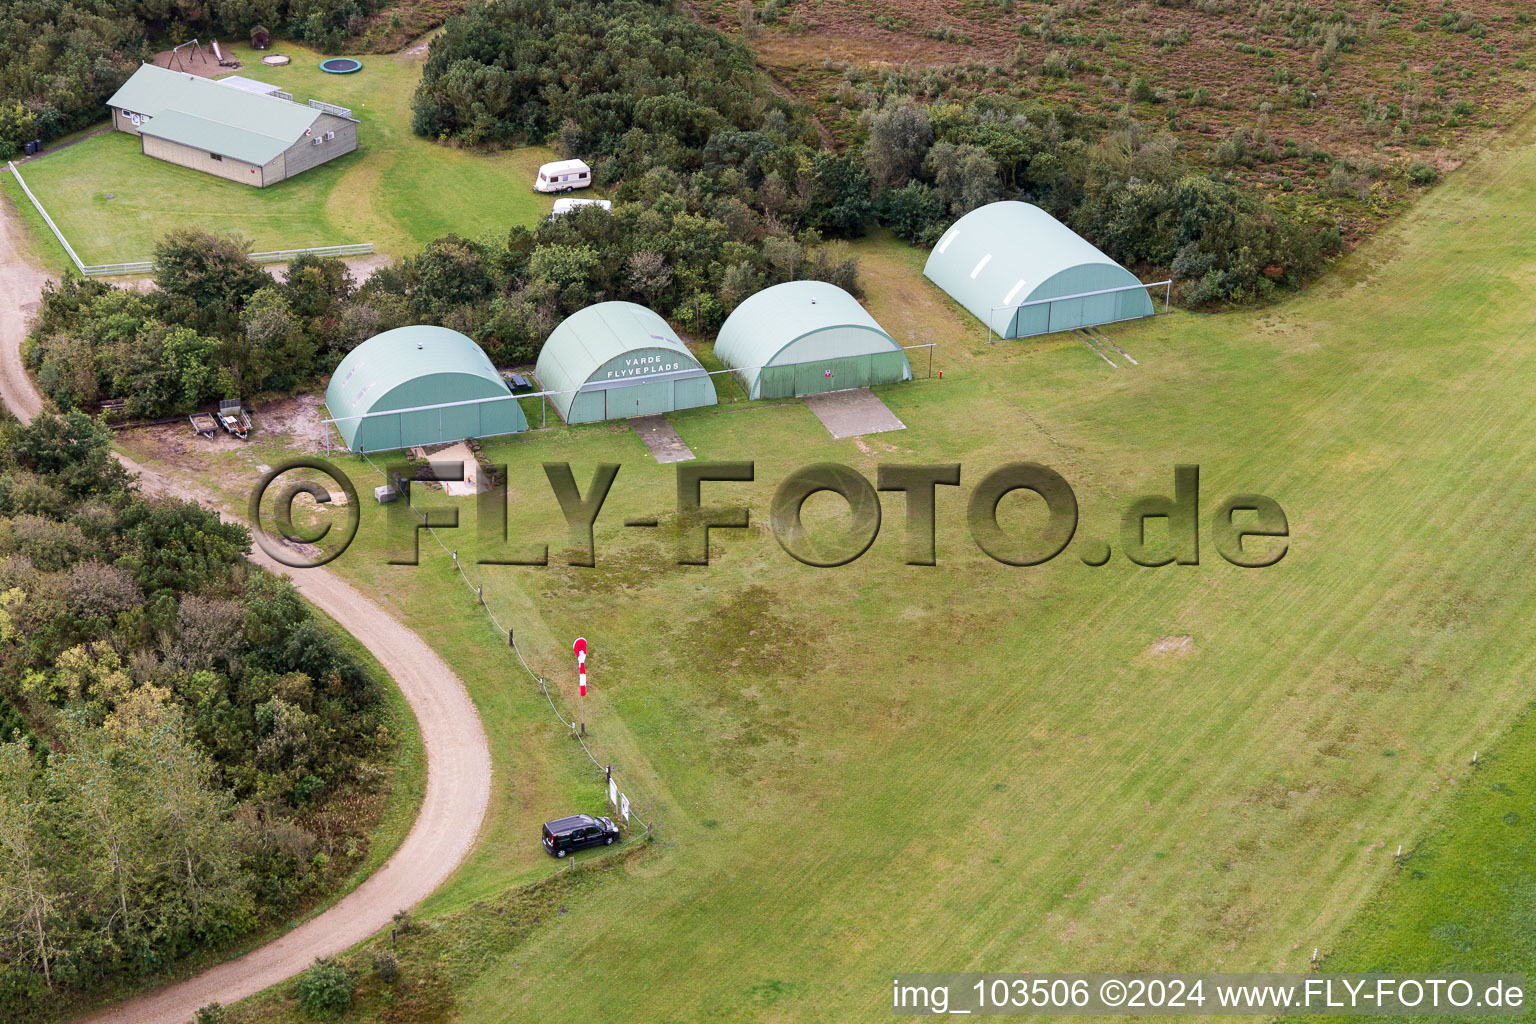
[[566, 205], [563, 175]]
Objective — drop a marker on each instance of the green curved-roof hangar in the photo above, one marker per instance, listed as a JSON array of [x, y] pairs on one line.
[[615, 360], [430, 377], [805, 337], [1000, 256]]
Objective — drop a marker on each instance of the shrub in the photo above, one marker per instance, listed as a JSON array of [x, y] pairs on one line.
[[1059, 64], [325, 989], [1420, 173], [386, 966]]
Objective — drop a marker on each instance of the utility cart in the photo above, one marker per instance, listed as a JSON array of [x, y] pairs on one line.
[[203, 423], [233, 419]]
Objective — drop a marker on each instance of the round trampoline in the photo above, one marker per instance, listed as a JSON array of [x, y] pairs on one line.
[[341, 65], [274, 60]]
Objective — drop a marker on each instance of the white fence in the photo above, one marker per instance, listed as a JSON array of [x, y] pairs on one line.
[[284, 255], [148, 266], [331, 108], [47, 219]]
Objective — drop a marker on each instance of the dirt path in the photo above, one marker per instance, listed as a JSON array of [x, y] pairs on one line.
[[55, 147], [21, 285], [458, 756]]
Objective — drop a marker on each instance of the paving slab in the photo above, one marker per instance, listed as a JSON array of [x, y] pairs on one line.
[[853, 412], [661, 439]]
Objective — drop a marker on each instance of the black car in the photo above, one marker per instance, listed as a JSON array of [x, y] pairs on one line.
[[566, 835]]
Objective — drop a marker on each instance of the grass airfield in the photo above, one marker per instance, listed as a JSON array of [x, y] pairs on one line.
[[883, 768]]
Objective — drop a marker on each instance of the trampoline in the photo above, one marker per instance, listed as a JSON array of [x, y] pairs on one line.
[[341, 65], [274, 60]]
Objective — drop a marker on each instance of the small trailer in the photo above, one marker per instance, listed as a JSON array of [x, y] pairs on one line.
[[233, 419], [563, 176], [203, 423]]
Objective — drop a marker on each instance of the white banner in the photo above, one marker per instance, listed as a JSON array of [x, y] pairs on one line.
[[624, 808], [613, 794]]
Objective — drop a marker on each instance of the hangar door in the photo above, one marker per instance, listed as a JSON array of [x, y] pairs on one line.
[[657, 396], [838, 374], [648, 399]]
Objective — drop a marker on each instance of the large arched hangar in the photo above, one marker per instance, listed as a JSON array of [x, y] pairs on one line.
[[419, 385], [806, 337], [1023, 272], [616, 360]]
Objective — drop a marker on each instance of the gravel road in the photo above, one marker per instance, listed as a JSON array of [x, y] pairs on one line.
[[458, 756]]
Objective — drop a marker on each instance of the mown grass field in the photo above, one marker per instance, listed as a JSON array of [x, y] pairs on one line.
[[880, 767], [397, 190]]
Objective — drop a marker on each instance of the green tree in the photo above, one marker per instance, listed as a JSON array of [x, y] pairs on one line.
[[207, 268], [965, 176], [191, 362], [899, 137], [71, 450], [30, 903]]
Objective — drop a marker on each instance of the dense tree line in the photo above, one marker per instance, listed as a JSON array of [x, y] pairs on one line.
[[1124, 189], [218, 326], [640, 88], [61, 59], [615, 75], [694, 267], [185, 744]]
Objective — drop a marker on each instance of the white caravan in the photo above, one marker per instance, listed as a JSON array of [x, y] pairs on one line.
[[563, 175]]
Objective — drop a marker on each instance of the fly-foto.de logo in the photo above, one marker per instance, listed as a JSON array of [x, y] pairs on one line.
[[1248, 530]]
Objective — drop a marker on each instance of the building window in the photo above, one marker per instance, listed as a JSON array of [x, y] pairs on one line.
[[215, 156]]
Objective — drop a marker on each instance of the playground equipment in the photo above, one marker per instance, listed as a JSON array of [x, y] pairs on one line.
[[196, 50], [341, 65], [274, 60]]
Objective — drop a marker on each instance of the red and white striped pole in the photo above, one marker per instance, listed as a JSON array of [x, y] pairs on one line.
[[580, 647]]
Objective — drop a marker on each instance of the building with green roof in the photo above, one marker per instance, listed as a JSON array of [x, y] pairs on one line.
[[416, 386], [615, 360], [805, 337], [1022, 272], [227, 128]]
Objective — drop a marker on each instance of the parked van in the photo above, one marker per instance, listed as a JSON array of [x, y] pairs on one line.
[[577, 832], [563, 175]]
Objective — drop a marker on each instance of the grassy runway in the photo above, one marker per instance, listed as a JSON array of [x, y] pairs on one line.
[[397, 190], [882, 768]]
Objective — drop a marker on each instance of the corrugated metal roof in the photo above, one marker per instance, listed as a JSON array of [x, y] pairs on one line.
[[590, 338], [206, 114], [248, 85], [767, 323], [376, 376], [1007, 253]]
